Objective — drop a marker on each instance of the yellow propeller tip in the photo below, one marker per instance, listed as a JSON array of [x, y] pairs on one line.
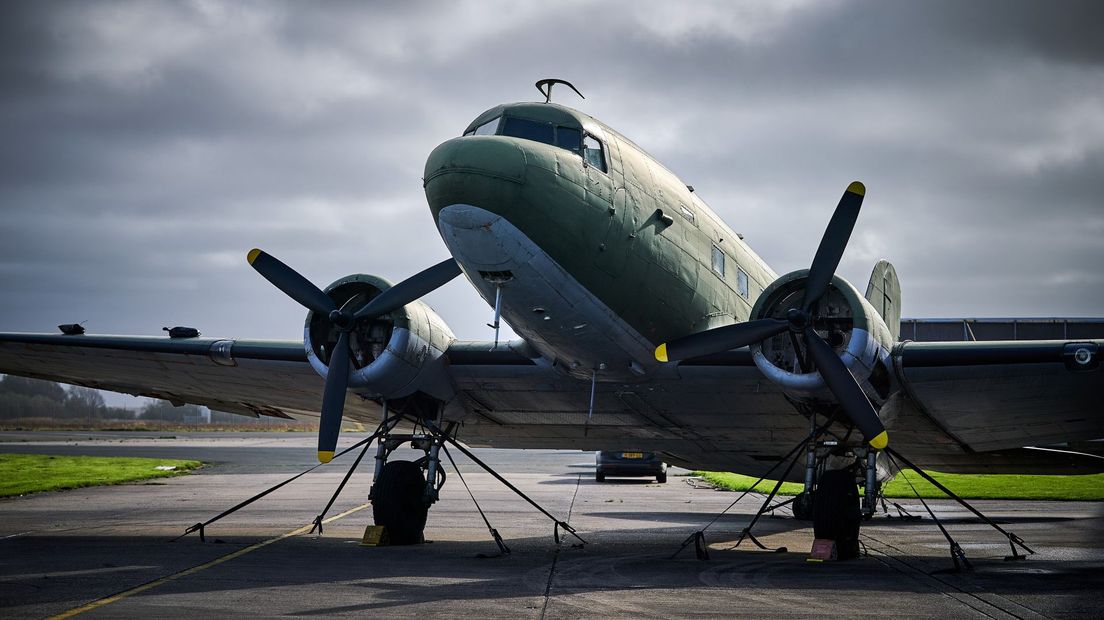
[[325, 457], [661, 352], [857, 188], [253, 254], [880, 442]]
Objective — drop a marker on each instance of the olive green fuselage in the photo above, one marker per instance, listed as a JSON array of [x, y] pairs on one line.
[[633, 235]]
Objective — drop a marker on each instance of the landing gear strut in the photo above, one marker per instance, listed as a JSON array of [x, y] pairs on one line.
[[802, 506]]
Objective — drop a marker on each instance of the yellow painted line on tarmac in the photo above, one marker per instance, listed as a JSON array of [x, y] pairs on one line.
[[195, 569]]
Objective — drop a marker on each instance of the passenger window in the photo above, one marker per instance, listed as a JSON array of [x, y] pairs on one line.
[[528, 130], [688, 214], [569, 139], [742, 283], [718, 261], [486, 129], [592, 153]]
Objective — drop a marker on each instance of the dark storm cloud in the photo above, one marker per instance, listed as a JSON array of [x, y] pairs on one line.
[[147, 146]]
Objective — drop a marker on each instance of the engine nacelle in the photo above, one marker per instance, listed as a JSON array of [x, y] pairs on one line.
[[393, 355], [845, 320]]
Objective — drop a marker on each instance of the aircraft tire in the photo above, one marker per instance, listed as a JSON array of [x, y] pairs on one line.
[[836, 511], [803, 506], [397, 502], [661, 478], [599, 477]]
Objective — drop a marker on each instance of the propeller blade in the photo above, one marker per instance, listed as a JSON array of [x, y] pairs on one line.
[[833, 243], [290, 282], [720, 339], [333, 399], [410, 289], [846, 390]]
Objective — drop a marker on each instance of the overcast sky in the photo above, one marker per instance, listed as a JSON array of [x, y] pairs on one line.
[[146, 146]]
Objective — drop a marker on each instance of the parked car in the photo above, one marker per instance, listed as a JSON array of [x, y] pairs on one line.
[[629, 464]]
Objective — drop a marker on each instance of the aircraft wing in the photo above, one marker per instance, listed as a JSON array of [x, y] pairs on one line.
[[955, 400], [503, 398], [1007, 394], [251, 377]]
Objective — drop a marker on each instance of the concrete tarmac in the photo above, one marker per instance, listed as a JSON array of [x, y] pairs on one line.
[[90, 549]]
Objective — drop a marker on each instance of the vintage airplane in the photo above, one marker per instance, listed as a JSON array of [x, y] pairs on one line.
[[646, 323]]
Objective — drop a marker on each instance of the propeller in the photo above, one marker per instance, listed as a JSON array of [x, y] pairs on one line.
[[311, 297], [799, 321]]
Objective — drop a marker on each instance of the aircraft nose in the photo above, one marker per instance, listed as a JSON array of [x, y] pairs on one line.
[[480, 155], [485, 171]]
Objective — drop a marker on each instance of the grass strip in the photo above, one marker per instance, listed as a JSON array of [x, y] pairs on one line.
[[32, 473], [967, 486]]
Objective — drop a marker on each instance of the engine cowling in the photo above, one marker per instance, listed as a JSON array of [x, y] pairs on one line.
[[846, 321], [393, 355]]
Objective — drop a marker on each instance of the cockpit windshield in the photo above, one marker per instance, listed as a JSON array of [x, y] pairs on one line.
[[569, 138], [529, 130]]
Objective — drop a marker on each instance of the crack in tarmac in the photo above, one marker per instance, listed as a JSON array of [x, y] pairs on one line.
[[959, 594], [556, 554]]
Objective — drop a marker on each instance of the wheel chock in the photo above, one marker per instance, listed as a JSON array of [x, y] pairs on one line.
[[824, 550], [375, 536]]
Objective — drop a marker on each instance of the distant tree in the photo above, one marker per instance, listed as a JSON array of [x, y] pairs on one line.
[[18, 406], [22, 386], [164, 411], [85, 403], [119, 413], [30, 398]]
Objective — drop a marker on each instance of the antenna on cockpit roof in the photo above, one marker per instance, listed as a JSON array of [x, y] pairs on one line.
[[545, 88]]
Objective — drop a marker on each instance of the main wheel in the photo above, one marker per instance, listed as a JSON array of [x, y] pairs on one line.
[[661, 477], [836, 512], [397, 502]]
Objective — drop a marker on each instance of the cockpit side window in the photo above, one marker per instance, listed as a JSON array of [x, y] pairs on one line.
[[489, 128], [593, 153]]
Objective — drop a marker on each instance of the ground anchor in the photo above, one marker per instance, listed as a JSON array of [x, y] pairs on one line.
[[958, 556]]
